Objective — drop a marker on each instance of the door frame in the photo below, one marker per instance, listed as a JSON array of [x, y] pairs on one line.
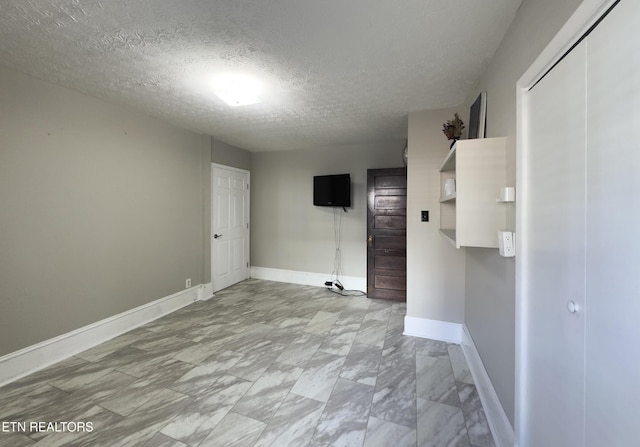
[[580, 23], [248, 247]]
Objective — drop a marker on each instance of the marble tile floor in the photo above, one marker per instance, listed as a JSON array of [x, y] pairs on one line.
[[260, 364]]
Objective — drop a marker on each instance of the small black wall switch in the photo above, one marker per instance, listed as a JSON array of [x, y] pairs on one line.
[[424, 216]]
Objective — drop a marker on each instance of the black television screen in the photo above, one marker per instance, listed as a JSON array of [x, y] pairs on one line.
[[332, 190]]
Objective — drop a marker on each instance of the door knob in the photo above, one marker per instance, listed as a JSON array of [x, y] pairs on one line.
[[572, 307], [216, 236], [370, 241]]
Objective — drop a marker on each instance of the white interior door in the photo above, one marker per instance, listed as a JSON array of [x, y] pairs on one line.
[[229, 226], [555, 173]]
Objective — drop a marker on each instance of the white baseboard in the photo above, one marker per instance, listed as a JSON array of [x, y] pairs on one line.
[[499, 424], [306, 278], [33, 358], [205, 291], [433, 329]]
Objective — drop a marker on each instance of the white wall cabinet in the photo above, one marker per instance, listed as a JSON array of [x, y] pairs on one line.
[[472, 216], [578, 287]]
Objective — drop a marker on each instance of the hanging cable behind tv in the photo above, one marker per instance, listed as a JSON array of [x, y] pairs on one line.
[[336, 274]]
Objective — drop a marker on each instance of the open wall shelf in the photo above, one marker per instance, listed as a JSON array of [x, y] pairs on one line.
[[470, 216]]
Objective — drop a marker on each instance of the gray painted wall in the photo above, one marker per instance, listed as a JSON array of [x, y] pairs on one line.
[[101, 210], [287, 231], [435, 269], [206, 160], [225, 154], [490, 279]]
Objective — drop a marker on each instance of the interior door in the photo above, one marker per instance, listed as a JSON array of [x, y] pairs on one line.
[[387, 233], [229, 226]]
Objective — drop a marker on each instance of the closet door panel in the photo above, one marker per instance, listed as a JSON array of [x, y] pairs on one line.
[[613, 229], [555, 236]]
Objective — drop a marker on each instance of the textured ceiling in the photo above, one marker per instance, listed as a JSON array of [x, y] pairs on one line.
[[334, 71]]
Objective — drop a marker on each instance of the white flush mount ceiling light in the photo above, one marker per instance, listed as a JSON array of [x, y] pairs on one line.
[[238, 90]]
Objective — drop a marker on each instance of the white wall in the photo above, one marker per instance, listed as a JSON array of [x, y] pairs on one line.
[[435, 269]]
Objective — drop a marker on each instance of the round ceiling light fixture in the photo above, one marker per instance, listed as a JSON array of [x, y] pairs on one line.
[[238, 90]]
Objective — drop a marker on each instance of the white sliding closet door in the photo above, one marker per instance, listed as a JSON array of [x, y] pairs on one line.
[[556, 178], [613, 230], [579, 296]]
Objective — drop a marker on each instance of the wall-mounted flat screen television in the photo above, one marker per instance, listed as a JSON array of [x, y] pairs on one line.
[[332, 190]]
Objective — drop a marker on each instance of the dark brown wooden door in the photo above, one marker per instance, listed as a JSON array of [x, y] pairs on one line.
[[387, 233]]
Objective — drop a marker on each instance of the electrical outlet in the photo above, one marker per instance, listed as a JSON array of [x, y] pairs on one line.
[[188, 283]]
